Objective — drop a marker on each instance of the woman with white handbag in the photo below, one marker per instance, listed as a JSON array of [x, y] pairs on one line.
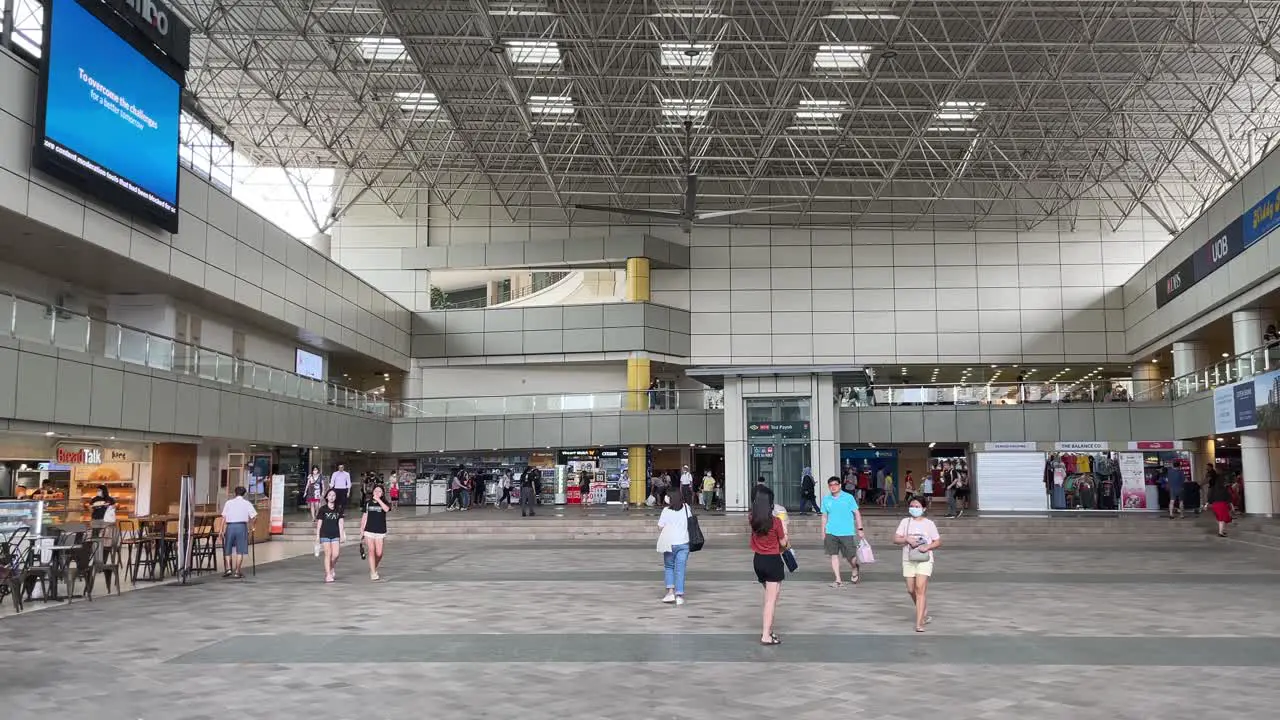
[[918, 537]]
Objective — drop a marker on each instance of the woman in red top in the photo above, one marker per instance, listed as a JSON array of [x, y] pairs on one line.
[[768, 537]]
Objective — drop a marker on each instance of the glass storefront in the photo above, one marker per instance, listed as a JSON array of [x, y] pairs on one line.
[[778, 445]]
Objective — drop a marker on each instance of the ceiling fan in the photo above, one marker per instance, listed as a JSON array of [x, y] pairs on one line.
[[689, 214]]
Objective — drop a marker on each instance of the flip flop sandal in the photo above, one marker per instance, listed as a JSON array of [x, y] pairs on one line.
[[920, 629], [856, 577], [773, 640], [837, 584]]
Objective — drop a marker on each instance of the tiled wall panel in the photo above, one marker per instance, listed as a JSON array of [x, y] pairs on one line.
[[44, 388], [221, 246]]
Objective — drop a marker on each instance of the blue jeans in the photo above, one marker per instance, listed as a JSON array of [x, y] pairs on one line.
[[673, 566], [466, 499]]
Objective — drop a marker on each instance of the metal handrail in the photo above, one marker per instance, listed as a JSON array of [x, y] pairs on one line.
[[533, 287], [37, 321], [1235, 368], [993, 393]]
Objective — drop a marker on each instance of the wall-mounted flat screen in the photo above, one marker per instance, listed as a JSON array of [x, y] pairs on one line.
[[309, 365], [109, 111]]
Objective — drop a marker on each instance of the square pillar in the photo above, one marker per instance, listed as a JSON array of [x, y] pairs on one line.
[[824, 431], [737, 486]]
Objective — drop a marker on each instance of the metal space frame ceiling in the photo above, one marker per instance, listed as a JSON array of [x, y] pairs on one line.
[[994, 114]]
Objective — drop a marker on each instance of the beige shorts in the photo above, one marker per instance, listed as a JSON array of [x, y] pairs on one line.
[[913, 569], [375, 536]]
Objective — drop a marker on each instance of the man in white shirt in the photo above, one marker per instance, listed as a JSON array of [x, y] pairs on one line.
[[340, 481], [237, 513], [686, 484]]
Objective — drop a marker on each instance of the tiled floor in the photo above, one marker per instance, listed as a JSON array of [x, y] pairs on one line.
[[576, 631]]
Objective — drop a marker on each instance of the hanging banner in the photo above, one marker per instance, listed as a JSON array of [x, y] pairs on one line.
[[1133, 494], [277, 504], [1251, 404]]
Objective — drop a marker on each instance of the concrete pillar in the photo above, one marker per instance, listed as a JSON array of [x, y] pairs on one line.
[[737, 485], [824, 431], [1260, 460], [1146, 382], [639, 376], [1246, 330], [1188, 357], [637, 279], [638, 469]]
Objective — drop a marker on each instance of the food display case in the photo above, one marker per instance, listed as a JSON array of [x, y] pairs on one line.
[[17, 514]]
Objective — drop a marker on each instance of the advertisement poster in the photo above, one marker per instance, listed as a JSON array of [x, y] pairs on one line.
[[1248, 405], [277, 504], [1133, 495]]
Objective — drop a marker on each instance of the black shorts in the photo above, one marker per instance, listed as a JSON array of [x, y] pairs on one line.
[[962, 493], [769, 568]]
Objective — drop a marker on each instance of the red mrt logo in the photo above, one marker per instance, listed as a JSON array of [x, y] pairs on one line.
[[151, 13]]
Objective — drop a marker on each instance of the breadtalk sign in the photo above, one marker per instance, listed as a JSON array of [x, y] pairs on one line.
[[78, 455]]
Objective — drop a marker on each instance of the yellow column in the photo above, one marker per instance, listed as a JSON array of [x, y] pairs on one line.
[[638, 378], [638, 467], [637, 279], [639, 375]]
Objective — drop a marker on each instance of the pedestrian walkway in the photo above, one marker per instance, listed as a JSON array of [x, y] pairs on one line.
[[575, 630]]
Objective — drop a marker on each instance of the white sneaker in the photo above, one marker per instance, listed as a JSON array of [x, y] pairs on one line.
[[670, 597], [679, 600]]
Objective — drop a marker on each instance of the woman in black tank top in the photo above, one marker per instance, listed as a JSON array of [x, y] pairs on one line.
[[330, 532]]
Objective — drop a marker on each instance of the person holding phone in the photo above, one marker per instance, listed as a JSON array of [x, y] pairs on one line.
[[373, 528]]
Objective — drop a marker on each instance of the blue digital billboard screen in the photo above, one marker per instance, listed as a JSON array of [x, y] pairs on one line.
[[110, 111]]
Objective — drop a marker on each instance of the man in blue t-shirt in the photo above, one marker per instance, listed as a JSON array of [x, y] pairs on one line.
[[842, 530]]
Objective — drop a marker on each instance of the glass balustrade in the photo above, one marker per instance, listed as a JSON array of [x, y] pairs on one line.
[[33, 321]]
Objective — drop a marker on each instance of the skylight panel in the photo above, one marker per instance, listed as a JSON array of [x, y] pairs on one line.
[[953, 110], [689, 9], [533, 52], [818, 114], [520, 7], [685, 56], [676, 111], [421, 102], [841, 58], [551, 105], [854, 10], [382, 49]]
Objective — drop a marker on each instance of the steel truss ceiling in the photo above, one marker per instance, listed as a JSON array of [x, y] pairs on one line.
[[998, 113]]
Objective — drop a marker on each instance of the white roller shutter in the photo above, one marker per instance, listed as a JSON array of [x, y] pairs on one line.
[[1010, 481]]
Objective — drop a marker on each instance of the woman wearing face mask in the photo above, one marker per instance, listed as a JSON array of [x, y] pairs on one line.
[[918, 537]]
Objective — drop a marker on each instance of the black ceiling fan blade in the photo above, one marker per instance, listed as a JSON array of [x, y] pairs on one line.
[[739, 211], [664, 214], [690, 196]]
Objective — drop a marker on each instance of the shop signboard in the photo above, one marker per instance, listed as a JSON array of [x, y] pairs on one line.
[[1085, 446], [793, 429], [1239, 235], [762, 451], [277, 504], [1133, 479], [78, 454], [1153, 445], [1009, 447], [1248, 405]]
